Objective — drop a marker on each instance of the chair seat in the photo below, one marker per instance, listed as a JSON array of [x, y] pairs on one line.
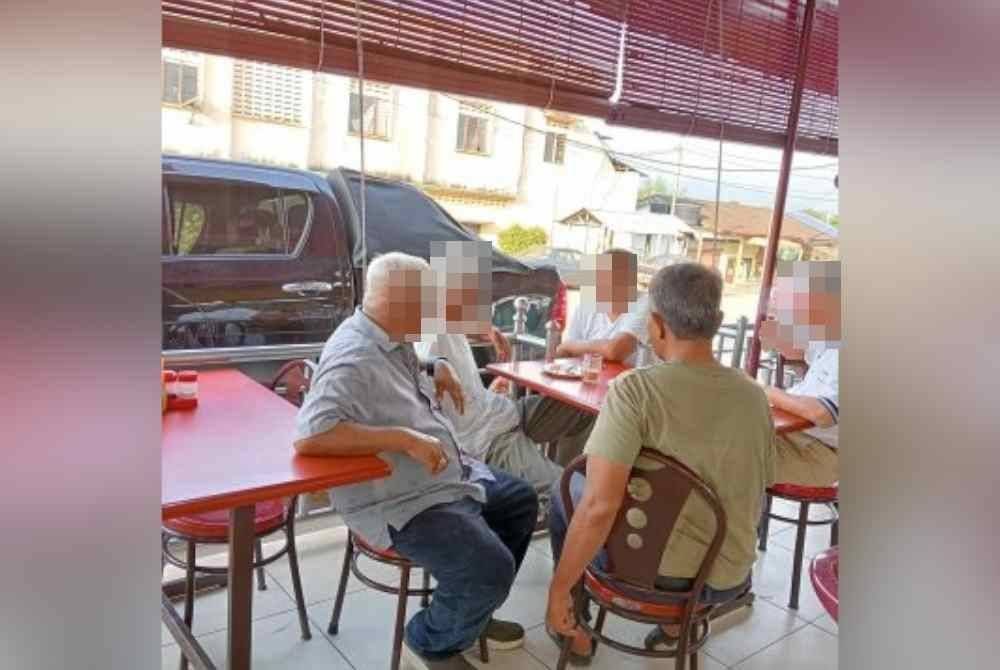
[[663, 608], [389, 554], [806, 493], [268, 517], [825, 574]]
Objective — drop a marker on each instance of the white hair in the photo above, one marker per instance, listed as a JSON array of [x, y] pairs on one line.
[[380, 269]]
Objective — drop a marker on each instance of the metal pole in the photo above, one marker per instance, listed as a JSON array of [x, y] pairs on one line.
[[770, 257]]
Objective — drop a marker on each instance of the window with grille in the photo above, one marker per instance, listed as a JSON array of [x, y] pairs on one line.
[[180, 81], [474, 129], [268, 92], [378, 111], [555, 148]]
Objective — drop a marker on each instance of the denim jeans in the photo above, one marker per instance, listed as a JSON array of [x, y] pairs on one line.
[[474, 551], [558, 525]]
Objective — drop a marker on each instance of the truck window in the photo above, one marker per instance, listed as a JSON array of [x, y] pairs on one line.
[[236, 219]]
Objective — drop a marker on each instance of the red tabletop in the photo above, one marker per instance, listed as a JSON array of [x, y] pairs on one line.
[[589, 397], [235, 449]]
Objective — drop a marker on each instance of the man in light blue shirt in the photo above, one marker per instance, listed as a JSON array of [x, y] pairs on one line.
[[469, 524]]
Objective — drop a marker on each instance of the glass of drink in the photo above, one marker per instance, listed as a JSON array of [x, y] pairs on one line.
[[592, 364]]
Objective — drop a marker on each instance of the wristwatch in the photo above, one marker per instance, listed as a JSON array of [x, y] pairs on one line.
[[429, 365]]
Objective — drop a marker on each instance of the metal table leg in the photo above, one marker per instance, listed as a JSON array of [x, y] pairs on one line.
[[241, 545], [189, 647]]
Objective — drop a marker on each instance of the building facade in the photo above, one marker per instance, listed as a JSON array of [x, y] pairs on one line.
[[489, 164]]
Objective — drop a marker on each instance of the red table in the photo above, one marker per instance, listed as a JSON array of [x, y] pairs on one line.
[[589, 397], [234, 451]]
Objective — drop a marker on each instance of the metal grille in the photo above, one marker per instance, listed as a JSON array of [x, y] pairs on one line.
[[268, 92]]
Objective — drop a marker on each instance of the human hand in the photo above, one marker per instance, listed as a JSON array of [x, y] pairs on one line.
[[426, 450], [559, 614], [446, 381], [500, 385], [500, 344]]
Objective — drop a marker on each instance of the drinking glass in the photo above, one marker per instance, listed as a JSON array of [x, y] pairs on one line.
[[592, 364]]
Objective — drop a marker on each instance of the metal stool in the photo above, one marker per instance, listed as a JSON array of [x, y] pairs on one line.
[[356, 546]]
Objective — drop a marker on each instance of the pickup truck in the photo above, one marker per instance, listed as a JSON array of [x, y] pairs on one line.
[[261, 264]]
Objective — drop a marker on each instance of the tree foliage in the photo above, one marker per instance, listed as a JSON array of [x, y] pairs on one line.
[[517, 239]]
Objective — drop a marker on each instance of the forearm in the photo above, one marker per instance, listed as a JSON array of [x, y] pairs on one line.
[[805, 406], [616, 349], [355, 439], [587, 533]]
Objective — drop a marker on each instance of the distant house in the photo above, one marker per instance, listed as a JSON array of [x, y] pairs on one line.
[[645, 233], [742, 239]]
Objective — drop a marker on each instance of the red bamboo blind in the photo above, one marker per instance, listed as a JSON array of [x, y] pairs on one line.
[[685, 70]]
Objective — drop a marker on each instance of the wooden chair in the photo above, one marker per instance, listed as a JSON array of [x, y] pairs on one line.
[[357, 547], [656, 495], [269, 518]]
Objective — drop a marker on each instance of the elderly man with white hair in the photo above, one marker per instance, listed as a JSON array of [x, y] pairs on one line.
[[467, 523]]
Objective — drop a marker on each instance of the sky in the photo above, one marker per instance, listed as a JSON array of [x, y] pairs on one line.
[[754, 182]]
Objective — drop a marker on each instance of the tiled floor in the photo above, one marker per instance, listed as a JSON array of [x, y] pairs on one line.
[[765, 637]]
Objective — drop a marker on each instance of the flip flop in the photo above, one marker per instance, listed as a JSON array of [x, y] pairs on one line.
[[659, 636], [575, 659]]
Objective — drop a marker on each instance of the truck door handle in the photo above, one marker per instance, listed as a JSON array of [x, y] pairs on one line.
[[307, 288]]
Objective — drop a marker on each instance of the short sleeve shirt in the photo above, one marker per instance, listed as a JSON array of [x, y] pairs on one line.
[[487, 414], [590, 324], [365, 378], [717, 422], [822, 382]]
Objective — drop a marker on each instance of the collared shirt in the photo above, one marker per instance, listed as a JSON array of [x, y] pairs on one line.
[[487, 414], [363, 377], [822, 382], [590, 324]]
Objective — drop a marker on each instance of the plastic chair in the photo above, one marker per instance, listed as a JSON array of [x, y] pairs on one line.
[[356, 547], [656, 495], [805, 496]]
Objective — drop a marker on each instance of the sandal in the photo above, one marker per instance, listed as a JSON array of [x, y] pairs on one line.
[[657, 637], [575, 659]]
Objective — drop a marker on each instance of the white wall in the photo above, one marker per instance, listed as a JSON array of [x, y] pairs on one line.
[[204, 131]]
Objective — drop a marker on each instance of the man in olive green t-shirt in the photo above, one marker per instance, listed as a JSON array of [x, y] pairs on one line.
[[711, 418]]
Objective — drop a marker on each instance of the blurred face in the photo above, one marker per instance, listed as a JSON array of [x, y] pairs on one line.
[[804, 308], [464, 272], [411, 301], [615, 280]]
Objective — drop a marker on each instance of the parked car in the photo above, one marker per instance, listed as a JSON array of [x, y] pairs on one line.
[[566, 261], [648, 267], [263, 263]]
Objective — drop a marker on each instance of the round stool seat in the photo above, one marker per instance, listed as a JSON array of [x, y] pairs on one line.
[[214, 526], [389, 554], [805, 493]]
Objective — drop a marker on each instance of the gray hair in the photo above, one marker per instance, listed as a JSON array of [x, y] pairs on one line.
[[688, 297], [380, 269]]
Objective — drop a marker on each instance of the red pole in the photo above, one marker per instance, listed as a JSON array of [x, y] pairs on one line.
[[771, 256]]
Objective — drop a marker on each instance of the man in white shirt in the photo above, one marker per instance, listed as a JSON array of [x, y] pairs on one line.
[[805, 325], [495, 429], [611, 317]]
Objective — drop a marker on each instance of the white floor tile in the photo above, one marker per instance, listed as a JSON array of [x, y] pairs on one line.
[[211, 608], [529, 597], [321, 557], [827, 623], [817, 539], [772, 581], [544, 649], [366, 626], [277, 644], [808, 648], [743, 633]]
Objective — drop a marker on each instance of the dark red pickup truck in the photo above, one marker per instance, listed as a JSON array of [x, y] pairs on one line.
[[262, 263]]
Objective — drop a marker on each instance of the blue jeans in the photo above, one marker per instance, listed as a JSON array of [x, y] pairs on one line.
[[558, 525], [474, 551]]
